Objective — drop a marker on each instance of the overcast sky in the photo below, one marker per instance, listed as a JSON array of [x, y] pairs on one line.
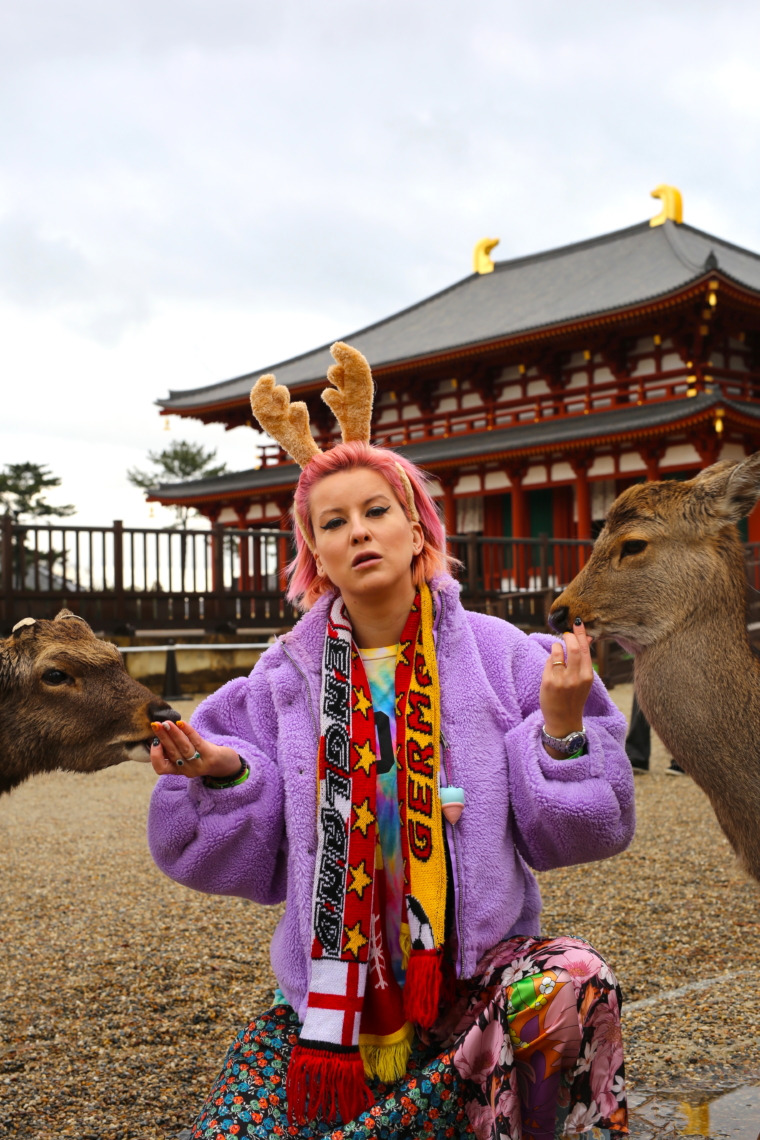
[[192, 189]]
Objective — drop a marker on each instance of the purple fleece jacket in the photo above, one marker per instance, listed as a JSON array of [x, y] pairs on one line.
[[258, 840]]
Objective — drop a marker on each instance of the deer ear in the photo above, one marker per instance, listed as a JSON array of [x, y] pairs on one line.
[[67, 615], [731, 489], [22, 625], [743, 488]]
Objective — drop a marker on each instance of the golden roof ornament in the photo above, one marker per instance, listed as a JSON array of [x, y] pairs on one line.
[[481, 261], [672, 205]]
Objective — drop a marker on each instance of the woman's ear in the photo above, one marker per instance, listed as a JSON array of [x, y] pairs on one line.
[[418, 538]]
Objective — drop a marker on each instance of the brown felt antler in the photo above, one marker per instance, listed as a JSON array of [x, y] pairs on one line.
[[287, 423], [350, 402], [351, 399]]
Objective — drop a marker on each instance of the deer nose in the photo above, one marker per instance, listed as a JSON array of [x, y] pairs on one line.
[[558, 619], [160, 711]]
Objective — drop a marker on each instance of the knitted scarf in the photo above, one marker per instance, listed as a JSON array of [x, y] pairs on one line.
[[357, 1020]]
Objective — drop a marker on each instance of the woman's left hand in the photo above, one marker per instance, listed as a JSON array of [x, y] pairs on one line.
[[566, 686]]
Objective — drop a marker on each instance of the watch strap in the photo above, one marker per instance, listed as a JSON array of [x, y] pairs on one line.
[[571, 745]]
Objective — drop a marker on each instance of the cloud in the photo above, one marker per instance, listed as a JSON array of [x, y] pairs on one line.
[[233, 181]]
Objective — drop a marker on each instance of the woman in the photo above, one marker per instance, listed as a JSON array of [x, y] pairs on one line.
[[391, 768]]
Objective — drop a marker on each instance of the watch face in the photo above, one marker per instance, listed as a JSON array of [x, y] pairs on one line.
[[576, 741]]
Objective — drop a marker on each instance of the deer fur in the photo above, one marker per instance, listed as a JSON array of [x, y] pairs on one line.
[[96, 717], [679, 606]]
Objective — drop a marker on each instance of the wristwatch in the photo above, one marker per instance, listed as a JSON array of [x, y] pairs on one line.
[[569, 744]]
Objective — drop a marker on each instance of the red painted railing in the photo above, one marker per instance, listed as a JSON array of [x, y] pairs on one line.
[[651, 387]]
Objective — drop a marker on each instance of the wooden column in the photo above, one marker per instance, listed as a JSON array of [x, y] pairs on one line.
[[217, 568], [520, 524], [118, 569], [652, 456], [580, 465], [753, 525], [7, 580], [245, 572], [449, 503], [282, 550]]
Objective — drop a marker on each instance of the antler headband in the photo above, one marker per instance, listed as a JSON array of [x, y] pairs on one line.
[[350, 401]]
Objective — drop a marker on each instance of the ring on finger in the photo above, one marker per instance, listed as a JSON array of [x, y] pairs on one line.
[[556, 663], [182, 760]]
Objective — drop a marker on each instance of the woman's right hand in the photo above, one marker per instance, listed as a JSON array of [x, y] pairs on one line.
[[174, 742]]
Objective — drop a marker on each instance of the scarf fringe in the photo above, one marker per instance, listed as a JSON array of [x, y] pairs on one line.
[[320, 1083], [388, 1062], [422, 988]]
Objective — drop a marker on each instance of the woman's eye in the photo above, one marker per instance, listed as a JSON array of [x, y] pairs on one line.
[[377, 512], [633, 546], [333, 524], [55, 677]]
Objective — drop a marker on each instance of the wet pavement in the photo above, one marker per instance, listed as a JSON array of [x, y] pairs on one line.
[[721, 1115]]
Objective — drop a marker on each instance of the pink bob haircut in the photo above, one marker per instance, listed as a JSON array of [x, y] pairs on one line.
[[305, 583]]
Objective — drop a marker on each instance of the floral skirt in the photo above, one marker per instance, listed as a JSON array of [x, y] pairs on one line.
[[531, 1049]]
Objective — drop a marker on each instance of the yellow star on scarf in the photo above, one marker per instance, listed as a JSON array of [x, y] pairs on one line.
[[354, 939], [364, 817], [366, 756], [360, 879], [403, 647], [361, 703]]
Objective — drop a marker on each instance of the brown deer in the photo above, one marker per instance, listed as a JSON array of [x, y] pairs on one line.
[[67, 702], [667, 580]]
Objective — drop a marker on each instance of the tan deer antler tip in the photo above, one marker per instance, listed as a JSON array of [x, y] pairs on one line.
[[352, 397], [287, 423]]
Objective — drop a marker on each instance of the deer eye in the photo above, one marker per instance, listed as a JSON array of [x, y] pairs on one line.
[[55, 677], [633, 546]]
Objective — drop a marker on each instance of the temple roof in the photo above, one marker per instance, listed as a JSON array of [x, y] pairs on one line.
[[602, 275], [566, 433]]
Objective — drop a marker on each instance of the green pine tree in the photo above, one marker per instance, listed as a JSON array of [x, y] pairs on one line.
[[22, 487], [177, 463]]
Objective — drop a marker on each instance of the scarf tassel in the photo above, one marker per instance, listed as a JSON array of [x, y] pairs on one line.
[[422, 989], [321, 1083]]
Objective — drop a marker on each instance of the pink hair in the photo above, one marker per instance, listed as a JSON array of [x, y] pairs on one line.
[[305, 583]]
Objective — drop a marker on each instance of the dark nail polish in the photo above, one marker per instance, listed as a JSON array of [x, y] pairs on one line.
[[578, 621], [156, 741]]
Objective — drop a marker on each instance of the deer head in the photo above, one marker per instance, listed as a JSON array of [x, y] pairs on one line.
[[667, 549], [67, 702]]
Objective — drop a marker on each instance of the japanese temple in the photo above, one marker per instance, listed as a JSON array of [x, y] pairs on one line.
[[536, 389]]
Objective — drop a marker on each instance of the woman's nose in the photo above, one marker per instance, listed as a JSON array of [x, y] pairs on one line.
[[359, 533]]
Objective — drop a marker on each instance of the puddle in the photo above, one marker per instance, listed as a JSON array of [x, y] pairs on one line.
[[731, 1115]]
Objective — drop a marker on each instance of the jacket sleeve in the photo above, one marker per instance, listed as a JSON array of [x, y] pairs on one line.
[[564, 811], [227, 841], [567, 811]]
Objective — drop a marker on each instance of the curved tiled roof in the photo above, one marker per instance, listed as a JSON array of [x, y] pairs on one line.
[[588, 278]]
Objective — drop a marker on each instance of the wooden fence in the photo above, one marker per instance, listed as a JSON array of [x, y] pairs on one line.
[[130, 580], [122, 579]]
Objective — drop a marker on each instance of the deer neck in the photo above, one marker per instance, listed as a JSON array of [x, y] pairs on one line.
[[699, 687]]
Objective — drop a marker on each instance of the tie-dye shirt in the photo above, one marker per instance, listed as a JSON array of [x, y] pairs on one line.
[[380, 667]]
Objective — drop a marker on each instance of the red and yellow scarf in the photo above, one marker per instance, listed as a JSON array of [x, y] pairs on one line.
[[357, 1020]]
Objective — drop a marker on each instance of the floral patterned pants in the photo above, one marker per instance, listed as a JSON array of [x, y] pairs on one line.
[[531, 1049]]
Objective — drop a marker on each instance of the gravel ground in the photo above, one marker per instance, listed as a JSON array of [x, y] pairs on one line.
[[120, 991]]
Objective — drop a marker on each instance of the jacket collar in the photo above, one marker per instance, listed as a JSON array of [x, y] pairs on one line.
[[306, 640]]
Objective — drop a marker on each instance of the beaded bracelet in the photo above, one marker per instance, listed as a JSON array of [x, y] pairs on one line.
[[232, 782]]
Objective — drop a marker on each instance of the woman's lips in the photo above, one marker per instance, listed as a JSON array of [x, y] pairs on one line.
[[366, 558]]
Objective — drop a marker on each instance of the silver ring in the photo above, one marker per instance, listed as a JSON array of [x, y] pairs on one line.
[[188, 759]]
